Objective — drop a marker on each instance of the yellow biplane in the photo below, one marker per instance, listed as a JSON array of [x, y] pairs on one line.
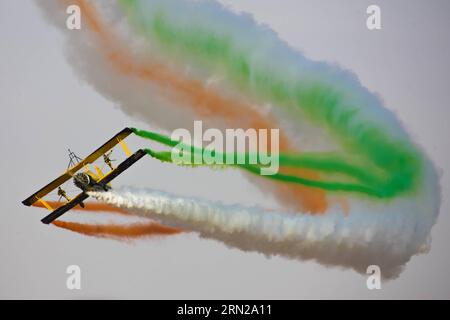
[[86, 180]]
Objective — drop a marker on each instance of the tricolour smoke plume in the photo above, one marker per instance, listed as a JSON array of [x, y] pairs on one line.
[[170, 62], [357, 241]]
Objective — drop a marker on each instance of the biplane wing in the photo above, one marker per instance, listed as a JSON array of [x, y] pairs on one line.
[[63, 209], [84, 163]]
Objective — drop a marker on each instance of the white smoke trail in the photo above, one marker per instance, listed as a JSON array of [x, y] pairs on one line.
[[367, 236]]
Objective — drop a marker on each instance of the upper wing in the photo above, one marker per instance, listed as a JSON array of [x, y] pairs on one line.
[[71, 171]]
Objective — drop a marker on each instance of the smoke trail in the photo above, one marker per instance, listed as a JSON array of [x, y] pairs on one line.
[[169, 62], [370, 184], [355, 241], [118, 231], [113, 231], [88, 206], [150, 78]]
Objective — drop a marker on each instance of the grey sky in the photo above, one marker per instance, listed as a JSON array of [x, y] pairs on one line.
[[47, 109]]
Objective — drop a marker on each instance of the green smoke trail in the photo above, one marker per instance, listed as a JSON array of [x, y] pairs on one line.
[[390, 166], [366, 182]]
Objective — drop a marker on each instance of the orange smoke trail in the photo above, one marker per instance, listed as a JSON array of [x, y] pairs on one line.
[[204, 100], [88, 206], [115, 231], [110, 230]]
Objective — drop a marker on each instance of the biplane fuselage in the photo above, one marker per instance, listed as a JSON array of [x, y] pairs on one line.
[[88, 182], [84, 178]]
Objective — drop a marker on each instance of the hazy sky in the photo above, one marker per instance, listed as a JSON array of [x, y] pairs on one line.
[[47, 109]]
